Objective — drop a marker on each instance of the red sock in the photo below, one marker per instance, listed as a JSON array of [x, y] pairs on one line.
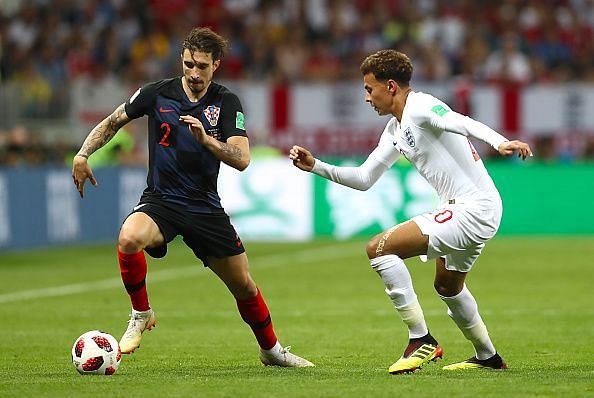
[[255, 313], [133, 270]]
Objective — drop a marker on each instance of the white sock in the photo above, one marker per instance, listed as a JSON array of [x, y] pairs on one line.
[[275, 350], [141, 313], [400, 289], [462, 308]]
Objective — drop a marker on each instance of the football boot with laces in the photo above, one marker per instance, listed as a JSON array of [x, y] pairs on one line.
[[418, 353], [279, 356], [138, 323]]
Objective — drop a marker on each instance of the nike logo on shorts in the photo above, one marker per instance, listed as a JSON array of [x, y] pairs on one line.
[[163, 110], [139, 206]]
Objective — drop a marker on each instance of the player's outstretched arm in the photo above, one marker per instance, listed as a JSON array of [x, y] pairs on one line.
[[362, 177], [302, 158], [507, 148], [99, 136]]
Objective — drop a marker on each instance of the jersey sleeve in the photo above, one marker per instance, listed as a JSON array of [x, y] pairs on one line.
[[439, 116], [233, 122], [363, 177], [141, 101]]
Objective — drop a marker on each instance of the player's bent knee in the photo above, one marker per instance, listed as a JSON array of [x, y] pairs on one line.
[[130, 242], [371, 248], [244, 289], [447, 290], [440, 289], [251, 290]]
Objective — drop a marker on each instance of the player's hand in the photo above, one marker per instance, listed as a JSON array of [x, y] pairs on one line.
[[507, 148], [80, 172], [302, 158], [196, 128]]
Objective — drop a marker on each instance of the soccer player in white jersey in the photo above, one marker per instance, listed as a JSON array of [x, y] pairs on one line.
[[434, 139]]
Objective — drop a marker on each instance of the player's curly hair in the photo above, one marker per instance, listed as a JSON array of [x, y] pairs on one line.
[[389, 64], [206, 41]]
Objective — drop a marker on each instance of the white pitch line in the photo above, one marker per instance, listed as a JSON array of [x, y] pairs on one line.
[[334, 251]]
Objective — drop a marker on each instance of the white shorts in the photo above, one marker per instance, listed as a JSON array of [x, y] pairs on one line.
[[458, 232]]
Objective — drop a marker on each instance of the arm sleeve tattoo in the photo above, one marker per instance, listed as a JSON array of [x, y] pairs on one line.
[[104, 132], [230, 153]]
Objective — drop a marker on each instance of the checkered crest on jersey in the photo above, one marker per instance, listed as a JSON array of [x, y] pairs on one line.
[[212, 114]]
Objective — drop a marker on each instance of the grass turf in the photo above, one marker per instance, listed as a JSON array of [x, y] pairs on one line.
[[535, 295]]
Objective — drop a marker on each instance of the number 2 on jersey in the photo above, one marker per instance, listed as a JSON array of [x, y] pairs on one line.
[[166, 128]]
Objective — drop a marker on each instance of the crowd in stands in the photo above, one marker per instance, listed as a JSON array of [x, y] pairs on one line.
[[46, 44], [311, 40]]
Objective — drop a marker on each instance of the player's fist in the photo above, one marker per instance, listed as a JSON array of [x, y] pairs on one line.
[[507, 148], [302, 158]]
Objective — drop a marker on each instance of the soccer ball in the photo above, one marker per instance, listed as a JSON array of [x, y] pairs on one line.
[[97, 353]]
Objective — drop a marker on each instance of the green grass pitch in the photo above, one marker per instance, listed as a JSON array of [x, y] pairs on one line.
[[535, 295]]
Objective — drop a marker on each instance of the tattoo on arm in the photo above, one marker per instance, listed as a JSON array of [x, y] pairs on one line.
[[104, 132], [231, 152]]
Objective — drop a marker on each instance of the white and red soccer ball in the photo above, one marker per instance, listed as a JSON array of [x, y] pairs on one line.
[[96, 352]]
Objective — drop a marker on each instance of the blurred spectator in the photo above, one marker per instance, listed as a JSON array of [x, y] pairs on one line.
[[79, 58], [508, 63], [36, 92], [551, 49], [433, 65], [23, 30], [151, 50], [291, 56], [20, 147], [321, 64]]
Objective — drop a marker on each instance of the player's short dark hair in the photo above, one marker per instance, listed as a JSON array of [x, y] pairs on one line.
[[206, 41], [389, 64]]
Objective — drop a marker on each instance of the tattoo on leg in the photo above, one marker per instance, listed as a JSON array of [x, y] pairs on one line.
[[380, 246]]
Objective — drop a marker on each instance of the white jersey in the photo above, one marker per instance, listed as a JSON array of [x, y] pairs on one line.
[[434, 139]]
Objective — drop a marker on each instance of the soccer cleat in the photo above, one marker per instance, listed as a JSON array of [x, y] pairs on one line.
[[138, 323], [418, 353], [495, 362], [279, 356]]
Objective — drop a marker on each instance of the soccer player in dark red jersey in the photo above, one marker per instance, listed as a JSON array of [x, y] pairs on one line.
[[194, 124]]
